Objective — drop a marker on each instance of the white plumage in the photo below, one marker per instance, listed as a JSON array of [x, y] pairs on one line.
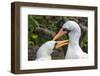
[[44, 52], [74, 51]]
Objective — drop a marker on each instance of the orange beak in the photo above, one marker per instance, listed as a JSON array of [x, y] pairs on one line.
[[61, 43], [59, 34]]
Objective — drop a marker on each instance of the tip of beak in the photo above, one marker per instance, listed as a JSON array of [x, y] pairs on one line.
[[61, 43]]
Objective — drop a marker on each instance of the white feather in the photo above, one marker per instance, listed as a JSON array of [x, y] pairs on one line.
[[44, 52], [74, 51]]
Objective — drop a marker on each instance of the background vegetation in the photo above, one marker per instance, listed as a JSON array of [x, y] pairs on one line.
[[43, 28]]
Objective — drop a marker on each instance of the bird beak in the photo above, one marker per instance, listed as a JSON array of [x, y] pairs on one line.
[[61, 43], [59, 34]]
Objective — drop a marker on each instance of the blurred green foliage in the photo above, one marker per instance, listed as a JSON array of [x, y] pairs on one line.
[[42, 28]]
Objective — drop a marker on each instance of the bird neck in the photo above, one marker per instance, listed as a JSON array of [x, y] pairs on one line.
[[74, 37], [74, 42]]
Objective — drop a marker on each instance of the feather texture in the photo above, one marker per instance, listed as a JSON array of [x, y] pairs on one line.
[[74, 51], [44, 52]]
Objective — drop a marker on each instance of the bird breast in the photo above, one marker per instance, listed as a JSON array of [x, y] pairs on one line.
[[75, 52]]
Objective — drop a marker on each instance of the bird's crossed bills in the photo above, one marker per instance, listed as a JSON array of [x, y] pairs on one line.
[[61, 43], [45, 51]]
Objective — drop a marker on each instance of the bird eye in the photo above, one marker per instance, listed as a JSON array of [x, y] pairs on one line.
[[64, 29]]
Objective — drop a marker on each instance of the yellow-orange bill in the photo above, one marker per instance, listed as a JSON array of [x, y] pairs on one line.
[[59, 34], [61, 43]]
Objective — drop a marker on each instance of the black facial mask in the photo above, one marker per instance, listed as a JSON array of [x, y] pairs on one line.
[[64, 29]]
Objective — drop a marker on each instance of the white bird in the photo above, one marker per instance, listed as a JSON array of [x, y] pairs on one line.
[[74, 51], [45, 51]]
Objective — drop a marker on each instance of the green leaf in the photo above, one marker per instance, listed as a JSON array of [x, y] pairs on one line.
[[34, 36]]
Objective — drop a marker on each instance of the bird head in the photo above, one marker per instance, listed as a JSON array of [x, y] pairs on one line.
[[69, 26], [56, 44]]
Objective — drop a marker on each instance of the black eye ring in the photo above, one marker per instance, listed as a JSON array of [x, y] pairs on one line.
[[64, 29]]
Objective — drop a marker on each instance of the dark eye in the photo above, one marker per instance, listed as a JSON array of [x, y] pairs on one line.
[[64, 29]]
